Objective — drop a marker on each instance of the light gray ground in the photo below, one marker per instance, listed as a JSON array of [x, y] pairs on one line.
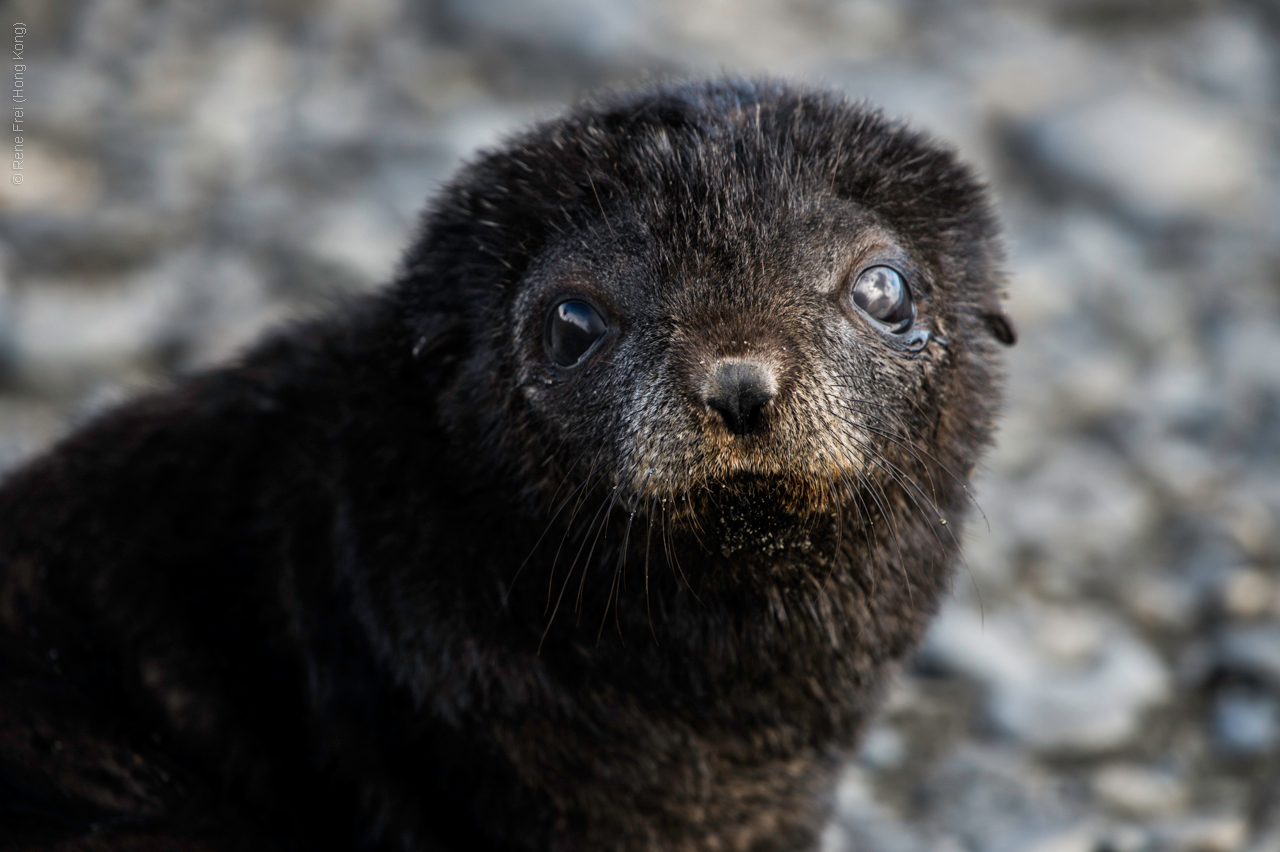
[[1108, 674]]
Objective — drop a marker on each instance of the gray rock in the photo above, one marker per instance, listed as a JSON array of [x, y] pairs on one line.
[[996, 800], [1058, 680], [1139, 791], [1203, 833], [63, 331], [976, 799], [882, 747], [1157, 154], [1078, 506], [1245, 721], [1252, 651], [600, 30]]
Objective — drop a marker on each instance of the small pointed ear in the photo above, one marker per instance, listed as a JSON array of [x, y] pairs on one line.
[[432, 332], [999, 324]]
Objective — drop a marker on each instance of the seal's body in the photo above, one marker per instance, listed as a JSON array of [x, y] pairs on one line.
[[599, 529]]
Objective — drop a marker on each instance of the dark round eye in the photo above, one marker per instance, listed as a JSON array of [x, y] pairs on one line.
[[572, 329], [881, 292]]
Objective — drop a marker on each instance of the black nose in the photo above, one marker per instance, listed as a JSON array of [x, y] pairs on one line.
[[739, 390]]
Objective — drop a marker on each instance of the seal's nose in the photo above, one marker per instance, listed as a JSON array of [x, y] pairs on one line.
[[739, 391]]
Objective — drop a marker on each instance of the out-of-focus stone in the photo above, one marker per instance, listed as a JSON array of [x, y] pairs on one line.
[[1227, 833], [1245, 721], [63, 330], [335, 107], [1078, 506], [874, 24], [73, 107], [479, 127], [1080, 839], [1249, 356], [1116, 288], [29, 425], [1231, 56], [1247, 593], [363, 17], [995, 798], [866, 823], [1195, 664], [237, 118], [1252, 525], [1184, 469], [360, 239], [1125, 838], [1179, 393], [225, 310], [1267, 841], [882, 747], [1158, 154], [1162, 602], [55, 184], [1031, 67], [937, 101], [1138, 791], [1251, 651], [600, 29], [1090, 701]]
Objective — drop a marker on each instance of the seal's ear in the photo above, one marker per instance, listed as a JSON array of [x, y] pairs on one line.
[[999, 324], [433, 332]]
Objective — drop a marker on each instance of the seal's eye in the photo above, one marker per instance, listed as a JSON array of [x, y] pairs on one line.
[[882, 294], [572, 330]]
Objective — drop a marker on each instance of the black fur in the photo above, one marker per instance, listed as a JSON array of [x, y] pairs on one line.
[[395, 580]]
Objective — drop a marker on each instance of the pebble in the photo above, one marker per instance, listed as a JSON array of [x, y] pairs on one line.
[[1253, 651], [1253, 525], [1158, 154], [595, 29], [1162, 602], [1245, 721], [1248, 593], [882, 748], [1057, 679], [1125, 838], [1138, 791], [1204, 834], [1083, 839], [1080, 506], [64, 330]]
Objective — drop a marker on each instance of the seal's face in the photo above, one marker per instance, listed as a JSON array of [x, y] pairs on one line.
[[766, 374], [746, 311]]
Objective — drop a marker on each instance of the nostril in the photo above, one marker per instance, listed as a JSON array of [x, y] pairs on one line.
[[739, 391]]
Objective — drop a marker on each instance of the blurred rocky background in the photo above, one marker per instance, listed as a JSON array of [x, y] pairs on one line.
[[1107, 677]]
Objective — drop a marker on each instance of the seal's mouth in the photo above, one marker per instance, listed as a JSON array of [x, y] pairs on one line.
[[760, 524], [748, 512], [701, 489]]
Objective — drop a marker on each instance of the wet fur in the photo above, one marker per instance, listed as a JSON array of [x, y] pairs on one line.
[[394, 581]]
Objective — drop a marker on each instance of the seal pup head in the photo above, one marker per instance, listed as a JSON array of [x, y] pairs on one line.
[[749, 310]]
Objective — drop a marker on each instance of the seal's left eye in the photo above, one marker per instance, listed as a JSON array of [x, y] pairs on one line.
[[572, 331], [883, 295]]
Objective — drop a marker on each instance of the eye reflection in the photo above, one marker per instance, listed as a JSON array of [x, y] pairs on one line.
[[883, 295], [573, 328]]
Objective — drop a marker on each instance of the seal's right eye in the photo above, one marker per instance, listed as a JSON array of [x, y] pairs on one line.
[[572, 330], [882, 294]]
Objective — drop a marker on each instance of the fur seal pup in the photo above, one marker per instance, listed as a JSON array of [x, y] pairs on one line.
[[600, 528]]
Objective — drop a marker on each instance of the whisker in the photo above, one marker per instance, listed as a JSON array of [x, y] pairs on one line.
[[568, 528], [569, 574], [907, 484], [914, 447]]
